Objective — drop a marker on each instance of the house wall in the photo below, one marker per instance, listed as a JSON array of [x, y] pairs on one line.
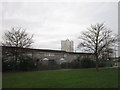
[[50, 55], [40, 55]]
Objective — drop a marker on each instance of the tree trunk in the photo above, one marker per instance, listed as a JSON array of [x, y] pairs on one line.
[[16, 55], [97, 67]]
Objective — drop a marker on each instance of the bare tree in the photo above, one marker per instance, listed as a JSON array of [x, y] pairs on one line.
[[17, 37], [96, 39], [106, 54]]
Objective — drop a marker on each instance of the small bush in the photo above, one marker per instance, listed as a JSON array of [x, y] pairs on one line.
[[106, 63], [8, 65], [52, 62], [41, 66], [102, 64], [26, 63], [75, 64], [65, 65], [84, 63], [87, 63]]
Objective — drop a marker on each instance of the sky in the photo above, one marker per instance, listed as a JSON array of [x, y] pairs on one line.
[[51, 22]]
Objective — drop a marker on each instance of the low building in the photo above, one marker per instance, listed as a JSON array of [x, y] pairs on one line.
[[44, 55]]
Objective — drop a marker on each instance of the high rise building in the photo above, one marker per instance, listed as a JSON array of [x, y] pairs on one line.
[[67, 45]]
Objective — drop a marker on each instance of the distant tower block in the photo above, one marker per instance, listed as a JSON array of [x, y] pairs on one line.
[[67, 45]]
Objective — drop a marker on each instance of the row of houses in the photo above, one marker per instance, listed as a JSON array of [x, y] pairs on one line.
[[44, 54]]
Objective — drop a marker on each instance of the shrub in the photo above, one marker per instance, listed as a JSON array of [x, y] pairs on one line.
[[75, 64], [26, 63], [52, 62], [84, 63], [102, 64], [109, 63], [41, 66], [8, 65], [65, 65], [87, 63], [106, 63]]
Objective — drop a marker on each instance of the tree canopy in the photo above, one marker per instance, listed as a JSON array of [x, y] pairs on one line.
[[17, 37], [96, 39]]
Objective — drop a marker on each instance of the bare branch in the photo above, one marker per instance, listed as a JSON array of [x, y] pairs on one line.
[[17, 37], [96, 39]]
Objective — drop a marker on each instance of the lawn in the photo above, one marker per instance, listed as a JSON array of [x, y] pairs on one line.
[[84, 78]]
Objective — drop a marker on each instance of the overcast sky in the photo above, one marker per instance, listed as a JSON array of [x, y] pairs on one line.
[[51, 22]]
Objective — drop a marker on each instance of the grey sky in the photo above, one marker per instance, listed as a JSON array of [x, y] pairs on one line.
[[51, 22]]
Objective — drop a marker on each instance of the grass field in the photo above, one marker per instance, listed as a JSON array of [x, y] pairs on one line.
[[84, 78]]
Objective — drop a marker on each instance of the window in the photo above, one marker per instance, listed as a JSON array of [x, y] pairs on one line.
[[49, 54]]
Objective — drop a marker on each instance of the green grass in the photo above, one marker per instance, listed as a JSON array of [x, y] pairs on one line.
[[84, 78]]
